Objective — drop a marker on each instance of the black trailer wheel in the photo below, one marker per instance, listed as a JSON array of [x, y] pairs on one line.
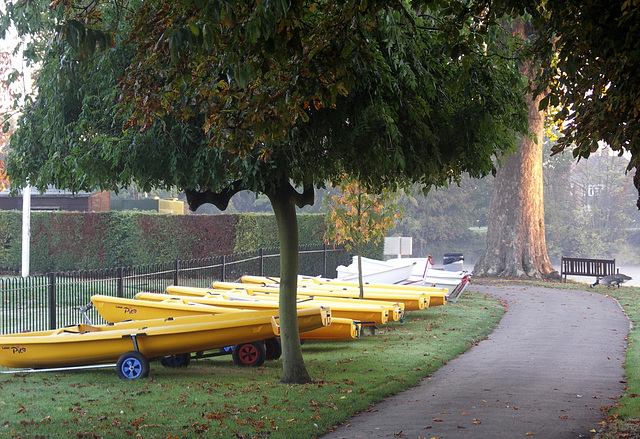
[[273, 348], [178, 360], [132, 365], [249, 354]]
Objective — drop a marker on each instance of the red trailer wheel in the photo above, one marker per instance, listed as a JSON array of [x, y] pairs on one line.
[[249, 354]]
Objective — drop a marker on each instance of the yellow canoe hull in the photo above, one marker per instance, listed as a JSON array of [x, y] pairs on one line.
[[368, 314], [340, 329], [116, 309], [437, 296], [87, 344], [396, 309], [309, 281], [411, 301], [152, 305]]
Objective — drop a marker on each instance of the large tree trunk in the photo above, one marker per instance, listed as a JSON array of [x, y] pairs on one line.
[[293, 368], [516, 246]]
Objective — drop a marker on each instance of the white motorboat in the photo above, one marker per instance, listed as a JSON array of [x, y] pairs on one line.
[[374, 271], [423, 274]]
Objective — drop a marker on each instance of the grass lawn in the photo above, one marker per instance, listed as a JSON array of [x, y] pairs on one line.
[[624, 419], [215, 398]]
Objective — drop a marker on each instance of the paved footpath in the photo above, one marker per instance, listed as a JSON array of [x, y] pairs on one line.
[[554, 360]]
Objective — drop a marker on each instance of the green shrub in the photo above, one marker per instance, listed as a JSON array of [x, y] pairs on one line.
[[63, 241]]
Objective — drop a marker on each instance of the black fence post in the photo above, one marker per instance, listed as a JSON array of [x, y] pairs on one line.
[[261, 253], [224, 269], [176, 270], [120, 282], [324, 260], [52, 301]]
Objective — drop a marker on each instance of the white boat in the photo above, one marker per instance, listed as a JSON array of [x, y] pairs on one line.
[[422, 274], [374, 271], [422, 265], [429, 281]]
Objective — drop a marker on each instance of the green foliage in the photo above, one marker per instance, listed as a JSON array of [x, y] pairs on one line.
[[63, 241], [384, 76], [598, 91], [254, 231], [10, 239], [311, 228], [591, 213], [448, 219]]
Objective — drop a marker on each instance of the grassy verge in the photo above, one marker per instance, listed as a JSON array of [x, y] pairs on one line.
[[214, 398], [624, 419]]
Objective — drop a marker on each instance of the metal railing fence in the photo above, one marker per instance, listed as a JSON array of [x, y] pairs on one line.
[[53, 300]]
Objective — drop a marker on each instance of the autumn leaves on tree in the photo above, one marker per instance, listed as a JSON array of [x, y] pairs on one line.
[[356, 217]]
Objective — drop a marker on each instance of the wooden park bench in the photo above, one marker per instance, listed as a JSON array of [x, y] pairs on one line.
[[597, 268]]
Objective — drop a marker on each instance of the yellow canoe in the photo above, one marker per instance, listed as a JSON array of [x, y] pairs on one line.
[[96, 344], [339, 329], [117, 309], [369, 314], [396, 309], [437, 296], [310, 280], [412, 301], [152, 305]]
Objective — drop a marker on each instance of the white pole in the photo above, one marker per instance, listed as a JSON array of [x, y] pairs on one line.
[[26, 229]]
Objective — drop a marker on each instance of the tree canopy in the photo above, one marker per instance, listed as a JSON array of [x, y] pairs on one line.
[[217, 97], [241, 86], [589, 57]]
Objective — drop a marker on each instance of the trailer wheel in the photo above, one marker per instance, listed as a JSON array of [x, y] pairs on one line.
[[178, 360], [273, 348], [132, 365], [249, 354]]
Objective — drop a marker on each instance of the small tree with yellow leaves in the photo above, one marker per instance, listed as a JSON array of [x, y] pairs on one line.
[[356, 217]]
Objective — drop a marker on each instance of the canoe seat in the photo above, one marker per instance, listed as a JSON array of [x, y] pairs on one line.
[[68, 330], [84, 328]]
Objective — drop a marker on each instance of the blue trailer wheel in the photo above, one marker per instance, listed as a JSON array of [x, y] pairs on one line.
[[132, 365]]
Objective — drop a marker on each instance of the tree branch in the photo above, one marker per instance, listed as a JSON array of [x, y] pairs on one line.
[[306, 198], [196, 198]]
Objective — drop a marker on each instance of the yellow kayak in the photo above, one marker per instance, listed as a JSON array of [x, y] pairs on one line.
[[117, 309], [411, 301], [437, 296], [369, 314], [395, 309], [132, 343], [151, 305], [339, 329], [310, 280]]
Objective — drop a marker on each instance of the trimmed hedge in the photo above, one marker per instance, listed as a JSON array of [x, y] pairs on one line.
[[63, 241]]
